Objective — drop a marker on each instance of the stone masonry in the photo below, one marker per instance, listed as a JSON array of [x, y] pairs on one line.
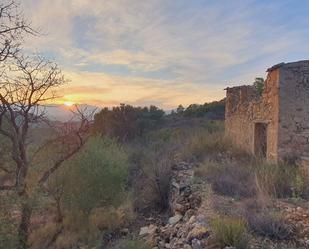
[[274, 124]]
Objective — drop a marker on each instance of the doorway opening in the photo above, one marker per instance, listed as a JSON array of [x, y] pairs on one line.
[[260, 140]]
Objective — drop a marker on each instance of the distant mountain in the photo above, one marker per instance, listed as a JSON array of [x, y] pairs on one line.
[[64, 113]]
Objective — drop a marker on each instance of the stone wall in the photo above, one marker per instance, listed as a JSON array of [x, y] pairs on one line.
[[283, 107], [245, 108], [294, 110]]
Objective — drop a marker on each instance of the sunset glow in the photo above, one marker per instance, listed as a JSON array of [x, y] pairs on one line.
[[68, 104], [165, 53]]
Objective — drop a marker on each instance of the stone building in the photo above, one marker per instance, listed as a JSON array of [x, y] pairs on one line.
[[275, 123]]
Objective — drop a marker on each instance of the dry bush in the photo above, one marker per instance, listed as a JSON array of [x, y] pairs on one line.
[[301, 184], [112, 219], [270, 225], [8, 226], [229, 179], [201, 143], [251, 176], [230, 232], [41, 238], [152, 188], [276, 180]]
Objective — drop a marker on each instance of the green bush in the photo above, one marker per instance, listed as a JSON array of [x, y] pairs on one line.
[[97, 176], [126, 122], [230, 232], [132, 244]]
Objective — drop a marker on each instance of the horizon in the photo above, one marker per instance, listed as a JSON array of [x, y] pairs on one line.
[[164, 53]]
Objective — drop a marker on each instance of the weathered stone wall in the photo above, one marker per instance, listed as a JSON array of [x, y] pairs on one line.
[[245, 108], [283, 106], [294, 110], [237, 116]]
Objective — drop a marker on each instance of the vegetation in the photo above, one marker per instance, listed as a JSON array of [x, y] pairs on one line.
[[270, 225], [230, 232], [95, 177], [85, 184], [259, 84], [132, 244], [214, 110], [126, 122]]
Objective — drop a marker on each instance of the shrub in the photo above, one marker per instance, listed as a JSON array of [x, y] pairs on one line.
[[229, 179], [201, 143], [270, 225], [300, 186], [92, 188], [153, 187], [8, 225], [230, 232], [132, 244], [277, 180], [126, 122], [249, 176], [96, 177]]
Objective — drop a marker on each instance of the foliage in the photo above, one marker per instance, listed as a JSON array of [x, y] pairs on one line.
[[126, 122], [151, 165], [249, 176], [213, 110], [231, 180], [132, 244], [96, 176], [8, 228], [278, 180], [259, 84], [230, 232], [205, 140]]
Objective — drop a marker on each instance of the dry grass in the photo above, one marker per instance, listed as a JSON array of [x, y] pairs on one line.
[[270, 225], [250, 177], [230, 232]]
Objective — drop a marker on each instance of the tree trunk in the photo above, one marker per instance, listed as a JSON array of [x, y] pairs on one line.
[[23, 231]]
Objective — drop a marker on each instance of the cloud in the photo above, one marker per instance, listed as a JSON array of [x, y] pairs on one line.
[[167, 51], [107, 90]]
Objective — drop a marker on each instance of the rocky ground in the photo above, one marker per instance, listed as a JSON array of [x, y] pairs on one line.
[[192, 207]]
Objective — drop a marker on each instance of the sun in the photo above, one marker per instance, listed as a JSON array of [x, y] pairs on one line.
[[68, 103]]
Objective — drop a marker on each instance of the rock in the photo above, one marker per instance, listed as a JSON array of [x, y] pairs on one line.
[[197, 244], [192, 219], [167, 232], [144, 231], [186, 246], [188, 214], [150, 230], [229, 247], [180, 208], [198, 232], [175, 219], [201, 220]]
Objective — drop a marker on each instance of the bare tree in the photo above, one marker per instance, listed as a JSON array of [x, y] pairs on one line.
[[24, 88], [13, 27]]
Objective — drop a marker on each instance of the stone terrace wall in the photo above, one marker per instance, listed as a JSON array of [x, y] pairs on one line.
[[244, 108], [294, 110]]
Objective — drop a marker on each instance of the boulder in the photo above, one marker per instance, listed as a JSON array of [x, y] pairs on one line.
[[175, 219], [150, 230]]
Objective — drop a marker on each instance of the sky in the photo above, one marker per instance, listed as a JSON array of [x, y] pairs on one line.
[[165, 52]]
